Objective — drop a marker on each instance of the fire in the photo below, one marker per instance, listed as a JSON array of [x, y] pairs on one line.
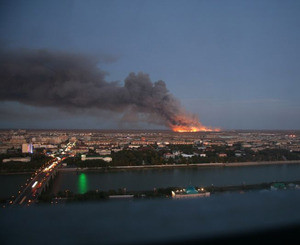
[[192, 129], [190, 124]]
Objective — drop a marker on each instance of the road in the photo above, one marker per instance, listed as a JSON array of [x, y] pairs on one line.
[[34, 187], [39, 180]]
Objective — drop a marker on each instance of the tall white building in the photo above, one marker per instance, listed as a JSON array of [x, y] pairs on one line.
[[27, 148]]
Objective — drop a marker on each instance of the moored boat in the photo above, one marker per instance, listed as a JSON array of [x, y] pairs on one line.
[[190, 192]]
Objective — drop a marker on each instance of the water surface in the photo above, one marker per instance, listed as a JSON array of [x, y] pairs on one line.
[[138, 180]]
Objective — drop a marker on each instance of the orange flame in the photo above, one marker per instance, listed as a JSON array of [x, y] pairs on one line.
[[182, 129], [186, 123]]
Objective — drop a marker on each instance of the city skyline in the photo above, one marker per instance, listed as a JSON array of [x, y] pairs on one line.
[[234, 64]]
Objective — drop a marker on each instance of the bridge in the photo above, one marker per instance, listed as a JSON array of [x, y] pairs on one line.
[[40, 179]]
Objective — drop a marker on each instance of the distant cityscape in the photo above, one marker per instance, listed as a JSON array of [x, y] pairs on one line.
[[171, 147], [45, 153]]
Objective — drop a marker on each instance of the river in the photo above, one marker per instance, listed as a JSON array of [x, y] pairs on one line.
[[155, 178], [137, 180]]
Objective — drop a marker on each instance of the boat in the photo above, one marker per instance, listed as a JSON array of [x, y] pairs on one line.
[[190, 192]]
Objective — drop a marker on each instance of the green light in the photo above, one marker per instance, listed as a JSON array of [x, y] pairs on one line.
[[82, 184]]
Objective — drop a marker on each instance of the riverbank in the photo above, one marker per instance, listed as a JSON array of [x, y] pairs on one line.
[[166, 166]]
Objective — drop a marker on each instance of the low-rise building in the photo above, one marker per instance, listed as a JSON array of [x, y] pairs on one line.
[[103, 152], [17, 159], [169, 155], [187, 155], [86, 158]]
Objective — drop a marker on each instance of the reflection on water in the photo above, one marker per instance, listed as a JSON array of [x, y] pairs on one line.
[[82, 183]]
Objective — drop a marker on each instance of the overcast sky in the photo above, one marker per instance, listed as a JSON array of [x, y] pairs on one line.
[[236, 64]]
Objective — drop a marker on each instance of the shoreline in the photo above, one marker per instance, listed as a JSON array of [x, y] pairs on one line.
[[172, 166], [166, 166]]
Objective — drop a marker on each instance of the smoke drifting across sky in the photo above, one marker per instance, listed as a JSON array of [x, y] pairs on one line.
[[74, 82]]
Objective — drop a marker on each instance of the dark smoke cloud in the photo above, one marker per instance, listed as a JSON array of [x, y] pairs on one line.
[[74, 81]]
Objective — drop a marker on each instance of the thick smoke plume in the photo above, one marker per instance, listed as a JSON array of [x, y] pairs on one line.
[[71, 81]]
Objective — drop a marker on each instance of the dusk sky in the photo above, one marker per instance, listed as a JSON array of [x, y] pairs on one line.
[[235, 64]]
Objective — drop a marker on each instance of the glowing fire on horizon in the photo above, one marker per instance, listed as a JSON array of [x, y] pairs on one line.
[[190, 129], [190, 124]]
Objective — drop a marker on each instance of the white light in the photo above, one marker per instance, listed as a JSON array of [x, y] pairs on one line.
[[35, 183]]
